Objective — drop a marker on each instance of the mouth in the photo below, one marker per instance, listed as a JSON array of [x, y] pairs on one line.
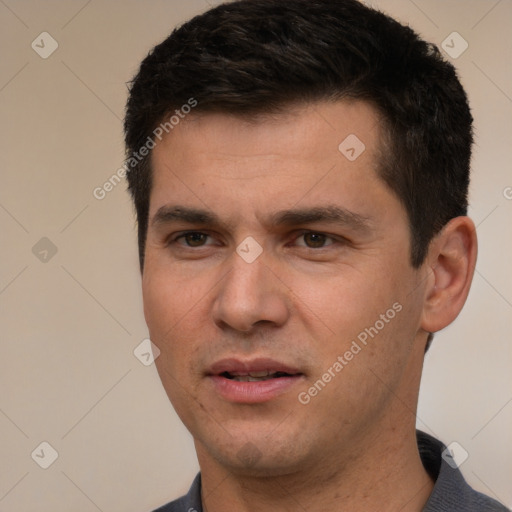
[[255, 376], [250, 382]]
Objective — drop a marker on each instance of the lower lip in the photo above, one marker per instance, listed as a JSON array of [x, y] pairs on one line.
[[252, 392]]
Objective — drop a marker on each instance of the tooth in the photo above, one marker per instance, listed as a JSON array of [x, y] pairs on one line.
[[262, 373], [249, 378]]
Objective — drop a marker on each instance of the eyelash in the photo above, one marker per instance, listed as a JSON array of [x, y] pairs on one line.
[[333, 239]]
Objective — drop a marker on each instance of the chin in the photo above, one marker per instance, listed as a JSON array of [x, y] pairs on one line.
[[257, 458], [266, 465]]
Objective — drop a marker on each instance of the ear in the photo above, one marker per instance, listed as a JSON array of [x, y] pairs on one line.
[[452, 259]]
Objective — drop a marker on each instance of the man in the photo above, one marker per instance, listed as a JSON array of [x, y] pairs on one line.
[[299, 170]]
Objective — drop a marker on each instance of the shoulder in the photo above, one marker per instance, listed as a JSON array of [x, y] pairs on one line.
[[190, 502], [451, 491]]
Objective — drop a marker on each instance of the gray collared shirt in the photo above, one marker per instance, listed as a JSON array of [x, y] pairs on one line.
[[451, 493]]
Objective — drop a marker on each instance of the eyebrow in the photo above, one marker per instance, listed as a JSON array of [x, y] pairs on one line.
[[292, 217], [168, 214], [330, 213]]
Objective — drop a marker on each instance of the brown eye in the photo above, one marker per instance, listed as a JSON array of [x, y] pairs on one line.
[[315, 240], [194, 239]]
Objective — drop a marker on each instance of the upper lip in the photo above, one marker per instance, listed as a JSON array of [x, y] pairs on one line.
[[244, 367]]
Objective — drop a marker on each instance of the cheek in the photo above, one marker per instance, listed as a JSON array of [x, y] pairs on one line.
[[171, 311], [162, 311], [175, 309], [349, 302], [370, 309], [167, 296]]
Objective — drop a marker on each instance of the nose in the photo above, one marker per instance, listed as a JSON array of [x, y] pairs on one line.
[[250, 294]]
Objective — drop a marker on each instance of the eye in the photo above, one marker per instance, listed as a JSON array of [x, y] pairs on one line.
[[314, 240], [192, 239]]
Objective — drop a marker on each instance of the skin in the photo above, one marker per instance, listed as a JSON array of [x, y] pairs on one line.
[[353, 446]]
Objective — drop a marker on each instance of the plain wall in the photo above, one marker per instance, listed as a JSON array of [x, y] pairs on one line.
[[71, 320]]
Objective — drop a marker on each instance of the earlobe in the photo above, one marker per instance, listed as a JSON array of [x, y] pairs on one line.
[[451, 260]]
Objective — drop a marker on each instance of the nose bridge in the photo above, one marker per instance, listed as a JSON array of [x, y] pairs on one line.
[[248, 294], [243, 269], [246, 282]]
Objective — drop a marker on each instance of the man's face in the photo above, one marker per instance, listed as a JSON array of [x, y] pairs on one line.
[[333, 278]]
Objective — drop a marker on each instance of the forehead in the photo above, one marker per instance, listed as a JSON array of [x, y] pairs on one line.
[[215, 160]]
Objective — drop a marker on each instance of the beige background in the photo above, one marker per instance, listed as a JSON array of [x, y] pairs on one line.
[[68, 375]]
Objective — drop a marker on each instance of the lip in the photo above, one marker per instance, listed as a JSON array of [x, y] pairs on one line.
[[252, 392], [233, 365]]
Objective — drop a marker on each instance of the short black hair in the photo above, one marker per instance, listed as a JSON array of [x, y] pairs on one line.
[[252, 57]]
